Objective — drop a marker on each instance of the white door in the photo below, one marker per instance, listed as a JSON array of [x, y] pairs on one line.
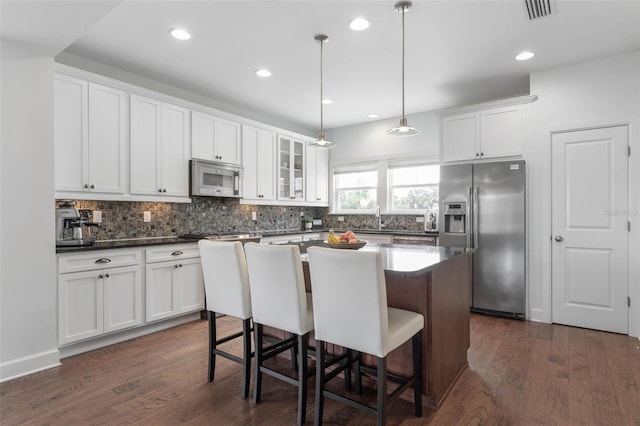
[[80, 306], [175, 143], [228, 141], [161, 290], [589, 225], [266, 165]]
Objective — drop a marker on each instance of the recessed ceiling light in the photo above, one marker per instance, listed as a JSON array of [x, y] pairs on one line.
[[523, 56], [359, 24], [180, 34], [327, 101], [372, 116], [263, 73]]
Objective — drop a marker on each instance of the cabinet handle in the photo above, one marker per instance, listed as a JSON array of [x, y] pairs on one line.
[[175, 266], [159, 189], [103, 260], [86, 186], [481, 154], [317, 199], [164, 190], [106, 275], [177, 253], [180, 265], [477, 155], [101, 276], [92, 186]]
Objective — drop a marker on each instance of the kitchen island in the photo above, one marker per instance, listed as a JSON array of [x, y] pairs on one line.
[[436, 282]]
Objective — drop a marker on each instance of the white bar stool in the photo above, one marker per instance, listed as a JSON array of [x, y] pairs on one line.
[[279, 300], [350, 310], [226, 285]]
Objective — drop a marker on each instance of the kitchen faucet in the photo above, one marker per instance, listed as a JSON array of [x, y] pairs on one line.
[[380, 222]]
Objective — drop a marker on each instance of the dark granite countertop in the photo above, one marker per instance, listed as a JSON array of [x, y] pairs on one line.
[[127, 243], [143, 242], [403, 260]]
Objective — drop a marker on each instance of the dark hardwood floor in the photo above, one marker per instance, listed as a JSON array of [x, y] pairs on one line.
[[520, 373]]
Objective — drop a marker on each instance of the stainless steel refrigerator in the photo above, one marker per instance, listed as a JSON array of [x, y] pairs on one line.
[[483, 206]]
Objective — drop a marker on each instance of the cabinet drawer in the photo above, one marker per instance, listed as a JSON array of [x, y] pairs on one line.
[[172, 252], [98, 260]]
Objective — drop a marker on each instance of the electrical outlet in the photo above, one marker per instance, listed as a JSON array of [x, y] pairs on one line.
[[301, 214], [146, 216], [254, 216], [96, 216], [340, 218], [420, 219]]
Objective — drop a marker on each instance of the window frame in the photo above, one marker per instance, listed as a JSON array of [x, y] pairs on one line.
[[353, 168], [389, 193]]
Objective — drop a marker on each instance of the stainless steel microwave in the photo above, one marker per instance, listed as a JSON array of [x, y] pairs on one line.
[[212, 179]]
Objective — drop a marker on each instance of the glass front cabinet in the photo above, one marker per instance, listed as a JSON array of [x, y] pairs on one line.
[[291, 168]]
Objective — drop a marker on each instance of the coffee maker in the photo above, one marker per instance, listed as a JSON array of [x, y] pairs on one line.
[[69, 225]]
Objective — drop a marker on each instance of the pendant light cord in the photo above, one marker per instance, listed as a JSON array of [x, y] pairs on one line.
[[321, 106], [403, 11]]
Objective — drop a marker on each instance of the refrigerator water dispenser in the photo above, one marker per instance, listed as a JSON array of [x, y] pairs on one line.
[[455, 218]]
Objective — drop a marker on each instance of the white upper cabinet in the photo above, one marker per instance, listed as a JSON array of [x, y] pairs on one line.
[[159, 148], [291, 168], [214, 138], [484, 131], [317, 176], [90, 138], [259, 164]]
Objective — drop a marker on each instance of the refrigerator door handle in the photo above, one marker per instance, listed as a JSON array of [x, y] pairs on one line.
[[476, 209], [469, 218]]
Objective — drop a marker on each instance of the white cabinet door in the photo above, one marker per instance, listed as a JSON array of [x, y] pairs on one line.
[[460, 137], [71, 133], [291, 167], [228, 141], [145, 145], [80, 306], [501, 132], [159, 148], [122, 298], [191, 286], [175, 146], [107, 140], [161, 290], [259, 162], [214, 138], [317, 175], [90, 137]]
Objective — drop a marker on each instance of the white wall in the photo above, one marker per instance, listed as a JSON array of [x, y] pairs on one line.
[[369, 140], [600, 92], [28, 296]]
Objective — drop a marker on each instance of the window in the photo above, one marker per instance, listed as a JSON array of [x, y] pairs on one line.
[[355, 188], [413, 187]]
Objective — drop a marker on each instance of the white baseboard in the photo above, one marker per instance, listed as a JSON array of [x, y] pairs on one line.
[[535, 315], [29, 365], [121, 336]]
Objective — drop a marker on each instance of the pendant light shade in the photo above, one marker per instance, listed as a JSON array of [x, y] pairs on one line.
[[403, 129], [321, 142]]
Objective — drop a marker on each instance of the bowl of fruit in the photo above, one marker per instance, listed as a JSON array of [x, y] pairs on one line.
[[346, 240]]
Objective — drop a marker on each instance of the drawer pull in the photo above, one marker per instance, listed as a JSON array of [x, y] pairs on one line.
[[103, 260], [177, 253], [101, 276]]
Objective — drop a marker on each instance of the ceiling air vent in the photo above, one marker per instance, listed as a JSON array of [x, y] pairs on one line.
[[538, 8]]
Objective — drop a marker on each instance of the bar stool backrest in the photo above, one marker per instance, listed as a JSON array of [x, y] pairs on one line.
[[226, 278], [278, 293], [349, 299]]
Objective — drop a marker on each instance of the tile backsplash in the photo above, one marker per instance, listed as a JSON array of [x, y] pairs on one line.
[[124, 219]]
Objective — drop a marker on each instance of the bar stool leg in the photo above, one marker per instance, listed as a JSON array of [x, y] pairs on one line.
[[212, 344], [417, 371], [381, 415], [358, 378], [303, 377], [320, 358], [257, 386], [246, 363]]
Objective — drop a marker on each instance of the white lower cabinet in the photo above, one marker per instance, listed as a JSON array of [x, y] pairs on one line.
[[100, 299], [173, 287]]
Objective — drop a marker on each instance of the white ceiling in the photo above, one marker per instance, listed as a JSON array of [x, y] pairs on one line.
[[457, 52]]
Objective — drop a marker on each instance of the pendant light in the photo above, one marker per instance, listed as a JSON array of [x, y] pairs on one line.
[[321, 142], [403, 129]]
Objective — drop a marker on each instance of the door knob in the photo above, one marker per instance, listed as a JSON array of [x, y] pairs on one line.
[[559, 238]]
